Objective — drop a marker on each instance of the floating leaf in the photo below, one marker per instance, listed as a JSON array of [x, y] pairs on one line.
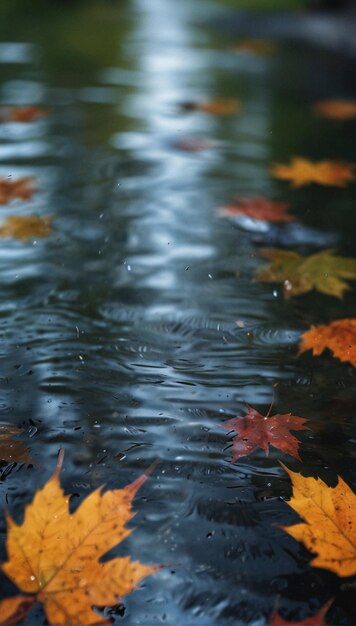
[[22, 114], [26, 226], [21, 188], [214, 107], [260, 431], [339, 337], [261, 47], [299, 274], [318, 619], [302, 172], [14, 610], [336, 109], [329, 526], [258, 209], [194, 144], [12, 449], [56, 556]]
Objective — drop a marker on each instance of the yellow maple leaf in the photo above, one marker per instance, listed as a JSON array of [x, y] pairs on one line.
[[299, 274], [54, 555], [302, 172], [25, 227], [329, 526], [336, 109], [339, 336]]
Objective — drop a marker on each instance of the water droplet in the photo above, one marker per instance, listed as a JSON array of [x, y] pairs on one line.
[[287, 285]]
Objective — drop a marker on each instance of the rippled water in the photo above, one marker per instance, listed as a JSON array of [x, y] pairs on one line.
[[119, 339]]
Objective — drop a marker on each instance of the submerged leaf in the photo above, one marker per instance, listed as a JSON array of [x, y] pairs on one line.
[[262, 47], [11, 449], [299, 274], [318, 619], [339, 337], [56, 556], [13, 610], [22, 114], [302, 172], [329, 522], [21, 188], [259, 209], [336, 109], [214, 107], [26, 226], [260, 431]]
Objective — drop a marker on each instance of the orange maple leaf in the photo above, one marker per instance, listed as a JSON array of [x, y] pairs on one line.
[[21, 188], [336, 109], [55, 556], [339, 336], [214, 107], [26, 226], [329, 522], [302, 172], [318, 619], [260, 431], [258, 209]]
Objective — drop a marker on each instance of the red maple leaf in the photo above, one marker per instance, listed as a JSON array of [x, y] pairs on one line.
[[260, 431], [258, 209], [318, 619]]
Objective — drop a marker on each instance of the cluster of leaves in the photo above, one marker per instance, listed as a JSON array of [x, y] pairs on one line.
[[22, 227], [328, 529]]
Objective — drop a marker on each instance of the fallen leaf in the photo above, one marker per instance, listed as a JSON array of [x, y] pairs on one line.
[[214, 107], [329, 526], [260, 431], [12, 449], [56, 556], [318, 619], [26, 226], [336, 109], [261, 47], [21, 188], [194, 144], [22, 114], [339, 336], [299, 274], [258, 209], [302, 172]]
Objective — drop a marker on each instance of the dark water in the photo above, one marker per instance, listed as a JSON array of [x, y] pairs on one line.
[[119, 340]]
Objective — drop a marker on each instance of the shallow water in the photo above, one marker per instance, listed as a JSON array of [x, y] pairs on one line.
[[119, 340]]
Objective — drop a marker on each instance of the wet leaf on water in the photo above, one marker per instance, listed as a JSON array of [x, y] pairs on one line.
[[262, 47], [22, 114], [26, 227], [260, 431], [259, 209], [299, 274], [214, 107], [329, 522], [55, 555], [318, 619], [339, 336], [21, 188], [336, 109], [303, 172], [12, 449]]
